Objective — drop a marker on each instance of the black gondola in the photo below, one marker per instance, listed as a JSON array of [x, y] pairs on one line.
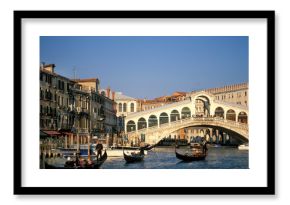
[[190, 157], [134, 156], [197, 153], [76, 163]]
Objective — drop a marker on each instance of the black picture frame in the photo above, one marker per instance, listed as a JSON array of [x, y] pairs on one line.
[[269, 16]]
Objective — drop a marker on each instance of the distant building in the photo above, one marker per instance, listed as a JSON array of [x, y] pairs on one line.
[[125, 106], [144, 104]]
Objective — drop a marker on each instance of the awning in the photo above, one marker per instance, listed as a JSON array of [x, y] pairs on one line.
[[67, 133], [51, 132]]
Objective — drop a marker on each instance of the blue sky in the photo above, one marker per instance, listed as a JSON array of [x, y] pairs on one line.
[[149, 67]]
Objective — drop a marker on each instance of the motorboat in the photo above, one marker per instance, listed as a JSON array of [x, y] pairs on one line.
[[243, 147], [118, 151]]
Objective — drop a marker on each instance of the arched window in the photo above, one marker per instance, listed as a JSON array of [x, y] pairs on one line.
[[219, 112], [174, 116], [231, 115], [185, 113], [41, 94], [120, 107], [142, 123], [243, 117], [152, 121], [163, 118], [131, 126], [125, 107], [132, 107]]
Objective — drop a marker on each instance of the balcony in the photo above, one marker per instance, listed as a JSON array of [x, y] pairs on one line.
[[83, 131], [85, 110]]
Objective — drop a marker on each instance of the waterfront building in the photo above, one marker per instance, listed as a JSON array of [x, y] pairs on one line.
[[96, 109], [125, 106], [80, 108], [48, 118], [73, 110], [56, 117], [110, 111]]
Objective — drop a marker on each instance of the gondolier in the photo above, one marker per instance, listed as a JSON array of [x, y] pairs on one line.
[[99, 148], [204, 147]]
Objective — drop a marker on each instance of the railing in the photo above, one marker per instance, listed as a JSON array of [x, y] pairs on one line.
[[231, 104], [83, 130], [189, 120], [159, 108]]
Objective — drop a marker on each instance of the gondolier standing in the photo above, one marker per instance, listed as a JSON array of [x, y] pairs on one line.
[[204, 147], [99, 148]]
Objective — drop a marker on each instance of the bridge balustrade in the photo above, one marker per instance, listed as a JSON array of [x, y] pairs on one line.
[[194, 119]]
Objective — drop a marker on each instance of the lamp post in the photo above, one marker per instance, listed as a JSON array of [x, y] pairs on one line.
[[89, 147]]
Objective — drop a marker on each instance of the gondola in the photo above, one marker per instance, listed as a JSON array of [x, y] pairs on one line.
[[76, 163], [197, 153], [134, 156]]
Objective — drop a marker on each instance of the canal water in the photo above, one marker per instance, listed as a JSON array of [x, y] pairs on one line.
[[164, 158]]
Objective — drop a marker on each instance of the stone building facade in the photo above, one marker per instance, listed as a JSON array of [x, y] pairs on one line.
[[54, 100], [125, 106], [73, 110]]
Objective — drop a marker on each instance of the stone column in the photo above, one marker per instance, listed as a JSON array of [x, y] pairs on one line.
[[210, 132], [108, 140], [230, 139], [224, 137], [217, 136], [78, 141], [65, 141], [71, 139]]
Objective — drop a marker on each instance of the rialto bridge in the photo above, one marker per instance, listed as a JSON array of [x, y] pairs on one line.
[[199, 110]]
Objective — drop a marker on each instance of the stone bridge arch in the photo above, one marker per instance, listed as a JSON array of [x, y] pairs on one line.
[[238, 129]]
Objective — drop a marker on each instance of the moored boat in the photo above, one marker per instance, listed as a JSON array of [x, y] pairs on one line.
[[243, 147], [118, 151], [76, 163], [133, 156]]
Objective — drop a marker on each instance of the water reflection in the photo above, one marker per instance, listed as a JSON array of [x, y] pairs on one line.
[[164, 158]]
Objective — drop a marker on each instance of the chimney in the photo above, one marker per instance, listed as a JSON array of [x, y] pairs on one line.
[[108, 92], [42, 64], [113, 95]]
